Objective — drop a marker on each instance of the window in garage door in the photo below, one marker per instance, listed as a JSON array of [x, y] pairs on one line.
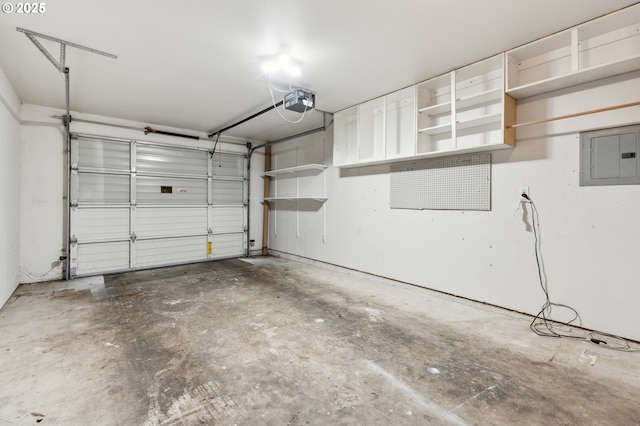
[[138, 204]]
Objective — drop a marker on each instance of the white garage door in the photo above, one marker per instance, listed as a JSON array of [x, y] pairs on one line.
[[139, 205]]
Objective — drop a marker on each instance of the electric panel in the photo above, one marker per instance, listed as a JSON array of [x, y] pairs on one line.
[[609, 157]]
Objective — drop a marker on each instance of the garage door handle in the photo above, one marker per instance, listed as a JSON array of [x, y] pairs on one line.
[[133, 237]]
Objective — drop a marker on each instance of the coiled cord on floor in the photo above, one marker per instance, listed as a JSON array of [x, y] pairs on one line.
[[542, 324]]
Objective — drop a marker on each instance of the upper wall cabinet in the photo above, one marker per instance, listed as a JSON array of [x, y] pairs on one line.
[[473, 108], [463, 111], [597, 49], [345, 137], [400, 123], [376, 131]]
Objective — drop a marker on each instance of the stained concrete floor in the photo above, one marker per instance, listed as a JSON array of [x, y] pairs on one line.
[[270, 341]]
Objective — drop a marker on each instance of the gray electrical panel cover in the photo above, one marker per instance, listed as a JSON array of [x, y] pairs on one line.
[[610, 156]]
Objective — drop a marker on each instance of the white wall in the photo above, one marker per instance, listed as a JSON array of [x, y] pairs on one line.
[[41, 202], [43, 182], [9, 189], [589, 235]]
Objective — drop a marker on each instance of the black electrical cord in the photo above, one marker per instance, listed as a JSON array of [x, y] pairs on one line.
[[542, 325]]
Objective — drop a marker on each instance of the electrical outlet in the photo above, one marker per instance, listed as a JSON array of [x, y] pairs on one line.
[[523, 190]]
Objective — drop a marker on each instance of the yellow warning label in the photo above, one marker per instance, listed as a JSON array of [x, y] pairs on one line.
[[209, 247]]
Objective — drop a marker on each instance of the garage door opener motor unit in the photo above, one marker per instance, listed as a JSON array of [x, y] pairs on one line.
[[299, 100]]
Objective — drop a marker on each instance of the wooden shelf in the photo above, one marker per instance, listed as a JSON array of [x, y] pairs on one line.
[[295, 170]]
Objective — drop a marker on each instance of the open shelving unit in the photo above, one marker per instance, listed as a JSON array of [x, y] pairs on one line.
[[465, 109], [603, 47], [293, 172], [435, 107]]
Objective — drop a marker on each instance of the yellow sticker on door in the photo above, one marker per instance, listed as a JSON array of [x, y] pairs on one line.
[[209, 247]]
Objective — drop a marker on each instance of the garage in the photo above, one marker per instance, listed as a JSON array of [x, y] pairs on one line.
[[284, 212]]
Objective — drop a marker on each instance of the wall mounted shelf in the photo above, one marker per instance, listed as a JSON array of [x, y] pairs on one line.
[[319, 199], [301, 174], [295, 170], [601, 48]]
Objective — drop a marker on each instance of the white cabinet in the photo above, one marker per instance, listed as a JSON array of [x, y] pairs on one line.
[[465, 111], [597, 49], [400, 123], [435, 110], [371, 117], [345, 137], [377, 130], [482, 111]]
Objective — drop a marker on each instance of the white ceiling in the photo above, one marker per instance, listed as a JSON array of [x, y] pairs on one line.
[[197, 64]]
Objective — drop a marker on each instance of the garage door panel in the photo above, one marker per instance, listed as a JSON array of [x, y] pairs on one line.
[[228, 165], [103, 188], [114, 224], [170, 222], [168, 190], [103, 154], [144, 204], [169, 251], [228, 219], [166, 160], [100, 257], [227, 245], [227, 191]]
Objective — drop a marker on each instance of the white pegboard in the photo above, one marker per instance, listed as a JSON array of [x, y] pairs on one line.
[[451, 183]]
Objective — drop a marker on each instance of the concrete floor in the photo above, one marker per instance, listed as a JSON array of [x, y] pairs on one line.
[[270, 341]]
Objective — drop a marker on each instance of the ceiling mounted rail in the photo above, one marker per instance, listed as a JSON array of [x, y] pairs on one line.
[[244, 120], [60, 65]]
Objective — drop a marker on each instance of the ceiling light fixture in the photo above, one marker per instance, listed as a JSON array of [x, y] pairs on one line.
[[281, 63]]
